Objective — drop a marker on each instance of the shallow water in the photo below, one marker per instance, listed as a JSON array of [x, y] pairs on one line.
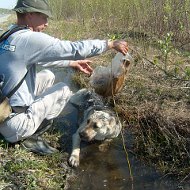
[[109, 170]]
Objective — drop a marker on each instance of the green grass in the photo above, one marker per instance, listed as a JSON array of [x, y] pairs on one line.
[[24, 170]]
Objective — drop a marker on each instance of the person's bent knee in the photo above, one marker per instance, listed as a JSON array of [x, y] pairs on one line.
[[64, 87], [64, 90], [48, 74]]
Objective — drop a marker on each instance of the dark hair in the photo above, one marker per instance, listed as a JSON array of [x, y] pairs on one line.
[[20, 15]]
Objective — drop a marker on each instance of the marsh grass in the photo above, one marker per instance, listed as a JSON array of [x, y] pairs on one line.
[[156, 107], [154, 103]]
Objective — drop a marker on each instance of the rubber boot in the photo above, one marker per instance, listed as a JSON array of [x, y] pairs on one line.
[[36, 144]]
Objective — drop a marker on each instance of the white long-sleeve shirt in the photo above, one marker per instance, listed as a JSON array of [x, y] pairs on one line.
[[25, 48]]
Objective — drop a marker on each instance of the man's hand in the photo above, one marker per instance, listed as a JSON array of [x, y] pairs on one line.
[[82, 65], [119, 45]]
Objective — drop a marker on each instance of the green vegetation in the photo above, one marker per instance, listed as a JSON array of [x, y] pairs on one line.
[[20, 169], [138, 18], [5, 11], [155, 101]]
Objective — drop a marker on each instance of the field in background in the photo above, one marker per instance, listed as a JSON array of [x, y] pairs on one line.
[[138, 18]]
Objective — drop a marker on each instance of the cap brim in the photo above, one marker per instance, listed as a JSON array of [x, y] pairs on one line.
[[30, 10]]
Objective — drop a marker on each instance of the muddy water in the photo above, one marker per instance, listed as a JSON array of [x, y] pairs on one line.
[[109, 170]]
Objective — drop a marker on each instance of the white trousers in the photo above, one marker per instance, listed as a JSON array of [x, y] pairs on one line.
[[50, 101]]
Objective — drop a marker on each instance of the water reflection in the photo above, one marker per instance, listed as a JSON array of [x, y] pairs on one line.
[[109, 171]]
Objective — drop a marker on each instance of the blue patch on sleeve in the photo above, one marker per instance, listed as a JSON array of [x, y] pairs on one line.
[[6, 46]]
